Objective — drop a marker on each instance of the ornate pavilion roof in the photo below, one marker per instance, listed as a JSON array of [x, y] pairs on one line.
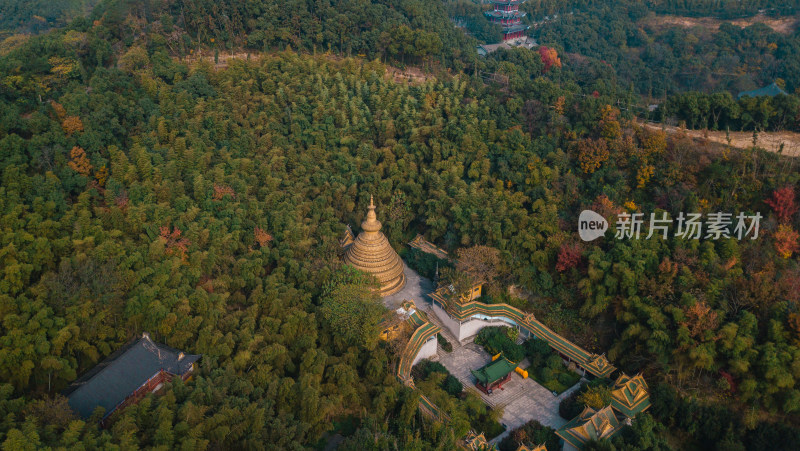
[[507, 2], [500, 14], [590, 425], [476, 441], [370, 252], [494, 371], [535, 448], [630, 395]]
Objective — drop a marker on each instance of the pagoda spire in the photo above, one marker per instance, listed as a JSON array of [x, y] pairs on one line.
[[372, 253], [371, 223]]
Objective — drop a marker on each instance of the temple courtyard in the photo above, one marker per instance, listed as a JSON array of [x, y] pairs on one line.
[[521, 399]]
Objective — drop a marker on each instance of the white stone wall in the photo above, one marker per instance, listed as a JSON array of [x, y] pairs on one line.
[[451, 324], [473, 326], [469, 328], [427, 350]]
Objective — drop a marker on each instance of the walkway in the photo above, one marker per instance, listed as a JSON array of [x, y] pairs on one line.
[[416, 289]]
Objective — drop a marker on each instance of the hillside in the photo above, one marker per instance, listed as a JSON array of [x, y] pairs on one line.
[[187, 169]]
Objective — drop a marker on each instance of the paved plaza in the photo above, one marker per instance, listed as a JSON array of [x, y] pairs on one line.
[[416, 289], [521, 399]]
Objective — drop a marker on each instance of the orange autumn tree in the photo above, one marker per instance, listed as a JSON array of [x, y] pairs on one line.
[[652, 142], [58, 109], [592, 153], [786, 240], [700, 319], [79, 162], [72, 124], [101, 175]]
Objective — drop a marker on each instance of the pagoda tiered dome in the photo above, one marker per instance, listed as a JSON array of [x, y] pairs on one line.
[[370, 252]]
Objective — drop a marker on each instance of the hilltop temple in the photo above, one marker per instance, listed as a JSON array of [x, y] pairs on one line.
[[506, 13], [370, 252]]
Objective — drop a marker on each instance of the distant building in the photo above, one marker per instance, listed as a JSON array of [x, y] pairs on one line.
[[485, 49], [770, 91], [127, 375], [526, 42], [506, 13]]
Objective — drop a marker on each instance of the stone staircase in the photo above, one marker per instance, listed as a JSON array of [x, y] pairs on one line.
[[425, 306]]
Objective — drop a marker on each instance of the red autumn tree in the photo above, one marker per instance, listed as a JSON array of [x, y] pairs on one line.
[[699, 319], [786, 240], [569, 256], [549, 57], [262, 238], [794, 325], [221, 190], [783, 204], [173, 241]]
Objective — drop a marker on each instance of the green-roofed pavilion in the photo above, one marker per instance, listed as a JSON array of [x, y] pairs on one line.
[[590, 425], [630, 395], [769, 91], [494, 374]]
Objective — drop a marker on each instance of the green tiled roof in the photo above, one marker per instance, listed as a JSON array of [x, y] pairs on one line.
[[630, 395], [418, 338], [590, 425], [771, 91], [494, 371]]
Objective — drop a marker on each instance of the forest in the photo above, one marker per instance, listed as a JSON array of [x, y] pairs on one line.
[[142, 190]]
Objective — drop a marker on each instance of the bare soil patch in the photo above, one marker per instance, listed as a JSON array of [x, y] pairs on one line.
[[411, 74], [783, 25], [769, 141]]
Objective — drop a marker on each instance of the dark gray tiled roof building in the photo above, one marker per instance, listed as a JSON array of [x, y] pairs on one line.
[[128, 374]]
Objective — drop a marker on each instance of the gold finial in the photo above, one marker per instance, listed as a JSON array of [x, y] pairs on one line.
[[371, 223]]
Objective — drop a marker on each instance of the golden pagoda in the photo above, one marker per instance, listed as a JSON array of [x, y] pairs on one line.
[[370, 252]]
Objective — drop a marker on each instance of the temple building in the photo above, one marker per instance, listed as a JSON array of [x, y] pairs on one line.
[[370, 252], [630, 395], [127, 375], [476, 442], [494, 374], [464, 315], [590, 425], [506, 13], [532, 448]]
